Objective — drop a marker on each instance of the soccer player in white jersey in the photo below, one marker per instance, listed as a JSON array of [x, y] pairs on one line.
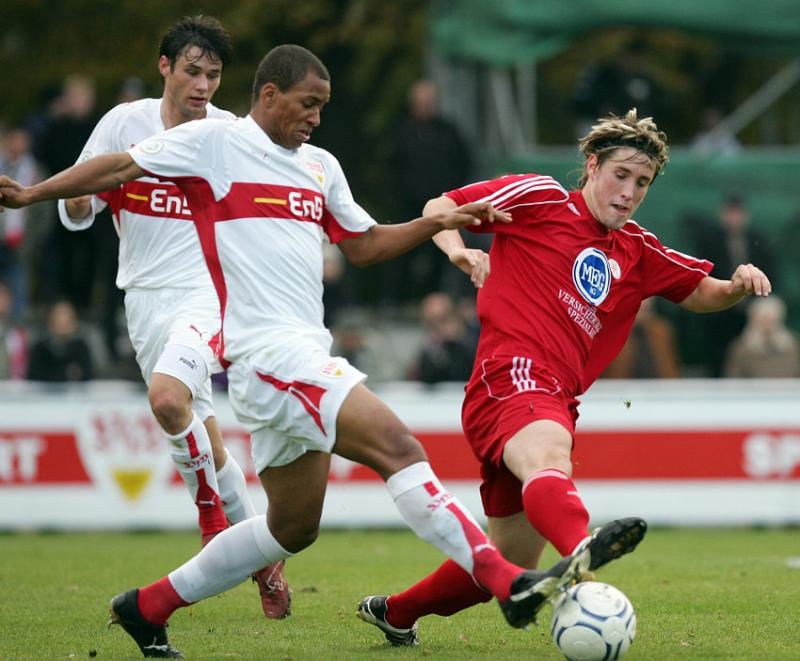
[[170, 302], [263, 199]]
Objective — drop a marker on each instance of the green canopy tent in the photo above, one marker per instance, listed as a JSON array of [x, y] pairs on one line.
[[497, 44], [509, 32]]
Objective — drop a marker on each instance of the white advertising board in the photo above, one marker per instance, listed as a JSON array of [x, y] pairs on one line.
[[690, 452]]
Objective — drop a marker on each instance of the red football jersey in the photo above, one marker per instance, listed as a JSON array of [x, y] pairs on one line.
[[564, 289]]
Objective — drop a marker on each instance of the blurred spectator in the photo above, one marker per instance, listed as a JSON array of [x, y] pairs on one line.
[[447, 351], [649, 352], [69, 271], [617, 85], [362, 346], [714, 139], [69, 124], [766, 348], [13, 339], [16, 161], [727, 243], [429, 158], [61, 354], [336, 294]]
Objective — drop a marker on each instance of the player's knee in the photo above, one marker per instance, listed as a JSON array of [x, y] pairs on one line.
[[172, 410], [296, 536]]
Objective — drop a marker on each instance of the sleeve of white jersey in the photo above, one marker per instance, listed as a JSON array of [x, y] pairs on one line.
[[188, 150], [103, 140], [343, 216]]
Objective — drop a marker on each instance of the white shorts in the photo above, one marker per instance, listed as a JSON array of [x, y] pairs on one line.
[[158, 318], [288, 398]]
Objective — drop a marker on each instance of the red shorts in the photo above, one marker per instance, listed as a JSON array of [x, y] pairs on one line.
[[504, 395]]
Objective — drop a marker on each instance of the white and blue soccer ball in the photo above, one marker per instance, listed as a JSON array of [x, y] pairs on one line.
[[593, 622]]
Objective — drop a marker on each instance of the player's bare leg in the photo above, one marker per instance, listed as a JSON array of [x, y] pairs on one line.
[[517, 539], [540, 457], [276, 597]]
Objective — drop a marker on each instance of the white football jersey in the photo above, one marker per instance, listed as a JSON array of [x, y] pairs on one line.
[[262, 213], [158, 244]]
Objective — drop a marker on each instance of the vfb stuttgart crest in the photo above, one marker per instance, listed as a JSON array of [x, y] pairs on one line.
[[592, 275]]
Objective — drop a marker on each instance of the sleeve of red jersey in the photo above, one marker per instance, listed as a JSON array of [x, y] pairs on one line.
[[508, 193], [669, 273]]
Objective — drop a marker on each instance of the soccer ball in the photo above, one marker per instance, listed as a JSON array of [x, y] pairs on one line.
[[593, 622]]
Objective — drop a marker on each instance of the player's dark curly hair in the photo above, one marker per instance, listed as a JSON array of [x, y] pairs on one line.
[[205, 32], [287, 65], [614, 132]]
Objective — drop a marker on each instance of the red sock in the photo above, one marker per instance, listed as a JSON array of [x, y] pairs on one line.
[[210, 514], [446, 591], [158, 601], [554, 508], [490, 569]]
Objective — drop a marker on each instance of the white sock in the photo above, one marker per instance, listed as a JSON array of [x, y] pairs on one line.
[[233, 490], [227, 560], [191, 453], [435, 515]]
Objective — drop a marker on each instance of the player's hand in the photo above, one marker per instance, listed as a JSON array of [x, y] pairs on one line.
[[474, 213], [750, 280], [475, 263], [13, 195]]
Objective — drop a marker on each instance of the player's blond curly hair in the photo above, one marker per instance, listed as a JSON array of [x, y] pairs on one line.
[[614, 132]]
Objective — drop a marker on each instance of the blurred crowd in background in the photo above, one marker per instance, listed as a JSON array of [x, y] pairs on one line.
[[61, 316]]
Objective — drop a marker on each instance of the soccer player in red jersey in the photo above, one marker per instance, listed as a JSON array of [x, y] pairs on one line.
[[567, 277]]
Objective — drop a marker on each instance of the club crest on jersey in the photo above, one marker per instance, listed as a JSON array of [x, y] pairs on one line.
[[591, 274], [332, 370], [317, 170]]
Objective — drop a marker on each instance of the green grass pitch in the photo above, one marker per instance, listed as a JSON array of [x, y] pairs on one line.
[[699, 594]]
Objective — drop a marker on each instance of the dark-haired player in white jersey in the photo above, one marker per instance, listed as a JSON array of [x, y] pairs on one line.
[[262, 200], [567, 277], [170, 303]]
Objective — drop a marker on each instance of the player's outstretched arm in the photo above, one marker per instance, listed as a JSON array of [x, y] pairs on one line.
[[712, 295], [384, 242], [475, 263], [98, 174]]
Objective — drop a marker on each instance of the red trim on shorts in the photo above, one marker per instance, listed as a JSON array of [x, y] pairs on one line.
[[309, 395]]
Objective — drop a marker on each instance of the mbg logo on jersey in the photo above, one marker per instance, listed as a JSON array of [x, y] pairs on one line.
[[592, 275]]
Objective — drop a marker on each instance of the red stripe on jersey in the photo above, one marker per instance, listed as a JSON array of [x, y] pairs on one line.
[[308, 394], [202, 198], [148, 198], [244, 200]]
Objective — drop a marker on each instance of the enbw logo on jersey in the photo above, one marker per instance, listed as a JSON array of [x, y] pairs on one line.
[[592, 275]]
